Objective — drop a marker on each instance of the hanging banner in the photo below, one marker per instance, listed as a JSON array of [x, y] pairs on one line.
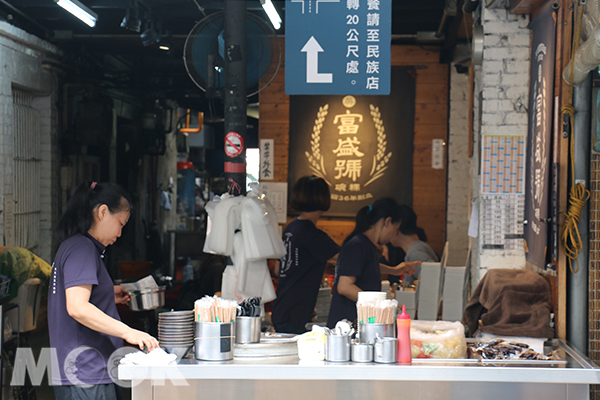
[[362, 146], [539, 156]]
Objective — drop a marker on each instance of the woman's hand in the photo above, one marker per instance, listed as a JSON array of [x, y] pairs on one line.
[[141, 339], [121, 295], [405, 268]]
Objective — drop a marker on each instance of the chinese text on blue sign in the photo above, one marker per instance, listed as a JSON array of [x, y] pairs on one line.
[[338, 46]]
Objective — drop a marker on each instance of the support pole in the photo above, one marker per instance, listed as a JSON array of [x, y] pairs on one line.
[[235, 96]]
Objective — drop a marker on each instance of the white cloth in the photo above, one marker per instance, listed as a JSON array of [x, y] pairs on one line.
[[156, 357]]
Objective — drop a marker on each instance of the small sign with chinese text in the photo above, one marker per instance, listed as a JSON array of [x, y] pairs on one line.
[[266, 159], [338, 46]]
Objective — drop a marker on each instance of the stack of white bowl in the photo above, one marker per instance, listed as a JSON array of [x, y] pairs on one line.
[[176, 332]]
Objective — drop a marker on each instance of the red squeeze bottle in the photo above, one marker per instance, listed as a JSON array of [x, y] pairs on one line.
[[404, 355]]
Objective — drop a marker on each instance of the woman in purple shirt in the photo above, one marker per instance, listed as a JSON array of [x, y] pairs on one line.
[[84, 325]]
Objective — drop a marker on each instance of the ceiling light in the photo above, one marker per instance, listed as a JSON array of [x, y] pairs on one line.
[[79, 10], [131, 20], [150, 35], [165, 41], [271, 13]]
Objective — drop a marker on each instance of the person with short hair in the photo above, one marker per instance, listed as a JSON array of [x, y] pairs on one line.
[[358, 268], [307, 250], [413, 240], [83, 321]]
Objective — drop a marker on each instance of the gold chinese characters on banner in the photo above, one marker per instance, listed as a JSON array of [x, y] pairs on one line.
[[362, 146], [354, 169]]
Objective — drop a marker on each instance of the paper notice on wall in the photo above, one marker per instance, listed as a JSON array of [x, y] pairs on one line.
[[9, 220], [276, 192], [267, 159], [502, 221]]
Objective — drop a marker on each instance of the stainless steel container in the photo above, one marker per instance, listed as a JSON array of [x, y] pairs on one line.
[[362, 352], [213, 341], [368, 332], [147, 299], [337, 348], [384, 350], [247, 329]]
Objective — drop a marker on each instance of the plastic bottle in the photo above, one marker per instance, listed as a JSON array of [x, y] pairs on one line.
[[404, 355]]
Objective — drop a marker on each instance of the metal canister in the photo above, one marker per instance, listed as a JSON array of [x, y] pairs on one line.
[[384, 350], [214, 341], [247, 329], [368, 332], [362, 352], [337, 348]]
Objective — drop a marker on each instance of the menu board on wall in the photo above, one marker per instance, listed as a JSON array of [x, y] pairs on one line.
[[362, 146]]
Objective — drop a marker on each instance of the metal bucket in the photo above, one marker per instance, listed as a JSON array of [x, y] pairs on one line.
[[384, 350], [213, 341], [337, 348], [362, 352], [368, 332], [247, 329], [147, 299]]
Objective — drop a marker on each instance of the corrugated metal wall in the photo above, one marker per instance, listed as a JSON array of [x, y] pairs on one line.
[[27, 157]]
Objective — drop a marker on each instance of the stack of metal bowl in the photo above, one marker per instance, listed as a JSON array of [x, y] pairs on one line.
[[176, 332]]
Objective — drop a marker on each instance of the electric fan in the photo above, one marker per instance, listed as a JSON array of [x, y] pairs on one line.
[[204, 51]]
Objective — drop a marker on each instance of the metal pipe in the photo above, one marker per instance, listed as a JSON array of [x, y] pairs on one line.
[[577, 293]]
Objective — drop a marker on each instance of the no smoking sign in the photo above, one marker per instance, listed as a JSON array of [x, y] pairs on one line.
[[234, 144]]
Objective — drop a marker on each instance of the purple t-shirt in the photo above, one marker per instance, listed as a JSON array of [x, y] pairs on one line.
[[300, 272], [82, 352], [358, 258]]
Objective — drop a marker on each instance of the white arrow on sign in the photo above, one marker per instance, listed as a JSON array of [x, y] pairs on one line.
[[312, 50]]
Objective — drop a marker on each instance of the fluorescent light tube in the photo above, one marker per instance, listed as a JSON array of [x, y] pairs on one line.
[[271, 13], [79, 10]]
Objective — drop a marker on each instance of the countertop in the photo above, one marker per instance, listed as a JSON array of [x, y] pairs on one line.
[[577, 369]]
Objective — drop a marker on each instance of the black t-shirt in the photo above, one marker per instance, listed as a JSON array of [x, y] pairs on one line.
[[359, 258], [300, 272]]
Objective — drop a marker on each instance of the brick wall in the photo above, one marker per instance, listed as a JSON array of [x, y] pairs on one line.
[[501, 93], [21, 65]]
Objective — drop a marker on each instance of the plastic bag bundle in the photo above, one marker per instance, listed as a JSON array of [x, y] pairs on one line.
[[438, 339], [259, 222], [224, 216], [253, 278]]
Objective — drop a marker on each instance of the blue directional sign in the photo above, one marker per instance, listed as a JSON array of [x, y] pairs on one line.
[[338, 46]]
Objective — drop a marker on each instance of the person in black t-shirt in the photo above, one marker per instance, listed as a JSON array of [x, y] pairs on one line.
[[358, 268], [307, 250]]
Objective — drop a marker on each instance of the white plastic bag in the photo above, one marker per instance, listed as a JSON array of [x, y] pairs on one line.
[[438, 339], [228, 284]]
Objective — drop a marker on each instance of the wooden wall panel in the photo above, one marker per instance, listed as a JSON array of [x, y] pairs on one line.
[[431, 122]]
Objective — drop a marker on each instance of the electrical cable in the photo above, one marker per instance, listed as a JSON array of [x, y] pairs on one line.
[[578, 194]]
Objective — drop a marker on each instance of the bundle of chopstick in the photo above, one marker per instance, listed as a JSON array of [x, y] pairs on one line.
[[377, 311], [214, 309]]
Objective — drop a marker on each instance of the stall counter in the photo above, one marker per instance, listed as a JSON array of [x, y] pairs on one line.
[[290, 378]]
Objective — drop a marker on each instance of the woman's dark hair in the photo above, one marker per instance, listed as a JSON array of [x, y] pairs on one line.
[[78, 217], [310, 193], [408, 226], [369, 215]]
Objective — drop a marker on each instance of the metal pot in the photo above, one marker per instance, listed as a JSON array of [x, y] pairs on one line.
[[147, 299]]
